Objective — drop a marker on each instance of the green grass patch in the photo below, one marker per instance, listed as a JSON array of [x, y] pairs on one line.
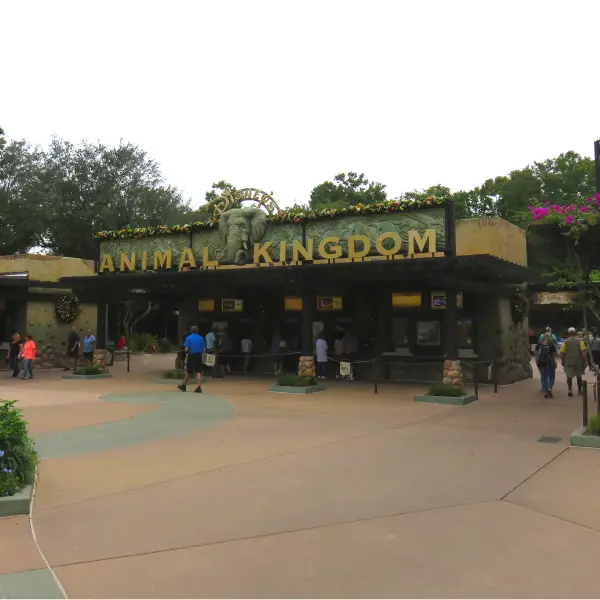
[[18, 457], [294, 380], [444, 389], [174, 374], [594, 425]]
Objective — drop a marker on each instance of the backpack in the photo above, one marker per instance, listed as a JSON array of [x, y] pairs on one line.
[[544, 355]]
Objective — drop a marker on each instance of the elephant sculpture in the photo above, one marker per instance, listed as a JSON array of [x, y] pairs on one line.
[[240, 228]]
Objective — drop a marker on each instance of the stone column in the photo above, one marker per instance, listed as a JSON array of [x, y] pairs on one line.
[[306, 364], [452, 367]]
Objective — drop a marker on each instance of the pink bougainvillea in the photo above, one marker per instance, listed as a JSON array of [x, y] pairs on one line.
[[575, 217]]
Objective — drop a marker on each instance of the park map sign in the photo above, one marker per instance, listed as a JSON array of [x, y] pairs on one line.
[[245, 237]]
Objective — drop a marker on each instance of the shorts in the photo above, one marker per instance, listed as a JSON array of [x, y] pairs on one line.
[[88, 355], [571, 372], [194, 363]]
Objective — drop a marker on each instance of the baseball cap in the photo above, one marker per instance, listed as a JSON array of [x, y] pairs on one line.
[[571, 329]]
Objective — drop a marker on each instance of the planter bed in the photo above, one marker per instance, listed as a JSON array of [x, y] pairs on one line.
[[292, 389], [98, 376], [17, 504], [453, 400], [581, 438]]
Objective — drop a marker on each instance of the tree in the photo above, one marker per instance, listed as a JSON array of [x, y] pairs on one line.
[[92, 187], [346, 190], [20, 214], [205, 212]]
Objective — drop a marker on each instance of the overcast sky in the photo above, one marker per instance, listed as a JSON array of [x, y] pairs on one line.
[[283, 95]]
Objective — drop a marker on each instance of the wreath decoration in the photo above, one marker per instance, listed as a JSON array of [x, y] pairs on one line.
[[67, 308], [519, 307]]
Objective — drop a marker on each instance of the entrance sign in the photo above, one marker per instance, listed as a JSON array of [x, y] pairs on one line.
[[407, 300], [206, 305], [232, 305], [293, 303], [329, 303], [553, 298]]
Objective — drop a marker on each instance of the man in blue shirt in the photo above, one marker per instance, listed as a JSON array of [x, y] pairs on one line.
[[194, 346]]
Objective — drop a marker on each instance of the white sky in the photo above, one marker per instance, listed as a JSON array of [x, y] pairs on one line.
[[283, 95]]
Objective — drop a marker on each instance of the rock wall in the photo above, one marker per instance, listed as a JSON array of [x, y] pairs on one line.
[[502, 340], [50, 334]]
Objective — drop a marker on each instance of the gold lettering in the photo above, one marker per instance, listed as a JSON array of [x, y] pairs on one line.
[[262, 251], [187, 259], [163, 260], [127, 263], [282, 251], [206, 262], [299, 250], [255, 195], [428, 239], [106, 263], [334, 252], [144, 261], [388, 236], [353, 252]]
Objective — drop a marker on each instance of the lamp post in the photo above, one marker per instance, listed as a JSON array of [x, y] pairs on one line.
[[597, 163]]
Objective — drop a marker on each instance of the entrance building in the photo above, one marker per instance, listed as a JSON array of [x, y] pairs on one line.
[[405, 280]]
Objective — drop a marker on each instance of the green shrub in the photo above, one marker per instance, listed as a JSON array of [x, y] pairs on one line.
[[165, 346], [293, 380], [445, 389], [174, 374], [18, 458], [142, 342], [89, 370], [594, 425]]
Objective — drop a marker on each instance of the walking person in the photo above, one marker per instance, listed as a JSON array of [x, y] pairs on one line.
[[89, 343], [595, 347], [194, 347], [14, 352], [247, 348], [73, 348], [321, 352], [573, 359], [28, 355], [546, 362]]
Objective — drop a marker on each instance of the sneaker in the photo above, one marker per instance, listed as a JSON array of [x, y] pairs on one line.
[[580, 393], [570, 394], [198, 390], [546, 395], [181, 387], [550, 394]]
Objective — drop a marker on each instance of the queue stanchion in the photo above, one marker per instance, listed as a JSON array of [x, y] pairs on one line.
[[584, 404], [374, 375], [128, 359]]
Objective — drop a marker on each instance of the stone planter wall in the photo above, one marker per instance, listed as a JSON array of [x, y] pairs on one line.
[[452, 372], [306, 366]]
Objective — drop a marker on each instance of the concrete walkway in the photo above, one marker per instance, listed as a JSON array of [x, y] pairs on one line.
[[147, 492]]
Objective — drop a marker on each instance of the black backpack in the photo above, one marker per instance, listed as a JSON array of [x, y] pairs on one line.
[[544, 355]]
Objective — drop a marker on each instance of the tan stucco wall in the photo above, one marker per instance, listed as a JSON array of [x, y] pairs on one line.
[[495, 237], [46, 268], [49, 333]]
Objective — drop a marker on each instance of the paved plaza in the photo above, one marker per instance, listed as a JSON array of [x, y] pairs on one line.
[[145, 492]]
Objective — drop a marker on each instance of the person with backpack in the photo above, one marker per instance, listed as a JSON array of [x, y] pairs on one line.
[[546, 362]]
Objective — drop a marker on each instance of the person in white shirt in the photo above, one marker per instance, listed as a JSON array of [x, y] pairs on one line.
[[247, 347], [321, 352]]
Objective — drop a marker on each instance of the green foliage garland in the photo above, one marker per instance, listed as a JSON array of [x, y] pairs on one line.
[[293, 215], [67, 308]]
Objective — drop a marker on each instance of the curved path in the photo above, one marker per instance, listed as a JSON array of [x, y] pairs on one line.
[[339, 494]]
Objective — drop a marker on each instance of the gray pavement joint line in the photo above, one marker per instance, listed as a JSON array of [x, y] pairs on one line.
[[35, 541], [547, 514], [534, 473], [283, 532], [239, 464]]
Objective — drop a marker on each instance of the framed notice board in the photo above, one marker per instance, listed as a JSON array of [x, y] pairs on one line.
[[293, 303], [326, 303], [232, 305], [407, 300], [206, 305]]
